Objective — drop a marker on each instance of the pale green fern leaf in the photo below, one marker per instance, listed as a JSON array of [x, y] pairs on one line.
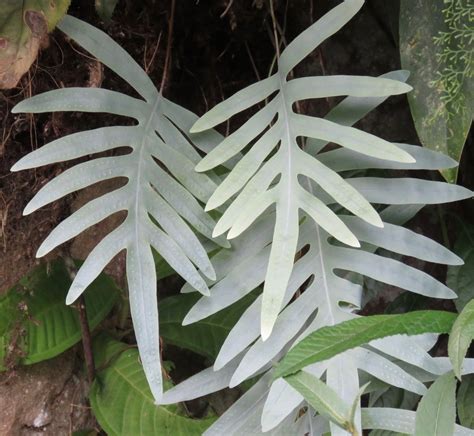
[[264, 178], [329, 298], [162, 206]]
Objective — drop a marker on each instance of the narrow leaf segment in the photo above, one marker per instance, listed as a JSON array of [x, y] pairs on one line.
[[329, 341]]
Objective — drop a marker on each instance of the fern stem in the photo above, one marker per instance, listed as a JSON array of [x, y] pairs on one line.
[[168, 47], [275, 33]]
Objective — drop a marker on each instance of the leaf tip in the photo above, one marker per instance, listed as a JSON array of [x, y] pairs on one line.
[[71, 296], [266, 329], [352, 241], [456, 260], [405, 157], [201, 166], [17, 108], [210, 273], [16, 167], [233, 233], [218, 231], [42, 251], [375, 220], [198, 126], [210, 205], [404, 75], [187, 320], [29, 208]]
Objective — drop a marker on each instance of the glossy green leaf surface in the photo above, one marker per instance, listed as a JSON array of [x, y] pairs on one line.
[[204, 337], [122, 401], [329, 341], [35, 320]]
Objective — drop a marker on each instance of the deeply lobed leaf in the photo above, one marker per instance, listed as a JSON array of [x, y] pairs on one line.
[[163, 206], [279, 174]]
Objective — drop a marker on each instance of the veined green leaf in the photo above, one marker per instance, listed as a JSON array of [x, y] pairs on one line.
[[122, 401], [37, 307], [461, 337], [436, 413], [329, 341], [436, 45], [204, 337]]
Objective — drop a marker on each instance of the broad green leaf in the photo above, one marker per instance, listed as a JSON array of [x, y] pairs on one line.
[[122, 401], [24, 25], [436, 46], [436, 412], [461, 337], [204, 337], [461, 278], [465, 401], [37, 307], [320, 396], [332, 340]]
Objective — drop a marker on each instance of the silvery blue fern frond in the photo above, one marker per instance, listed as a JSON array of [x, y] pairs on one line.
[[163, 206], [331, 297], [271, 173]]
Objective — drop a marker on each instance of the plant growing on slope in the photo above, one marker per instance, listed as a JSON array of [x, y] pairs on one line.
[[301, 183], [282, 198], [162, 206]]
